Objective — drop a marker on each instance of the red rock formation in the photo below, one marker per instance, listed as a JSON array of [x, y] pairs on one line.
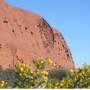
[[25, 35]]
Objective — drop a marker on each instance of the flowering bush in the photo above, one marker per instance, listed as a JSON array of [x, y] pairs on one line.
[[21, 76], [3, 84]]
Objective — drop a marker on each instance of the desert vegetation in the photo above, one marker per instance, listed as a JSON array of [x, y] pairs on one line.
[[22, 76]]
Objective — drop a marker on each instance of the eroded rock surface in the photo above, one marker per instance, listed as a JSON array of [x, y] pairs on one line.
[[25, 35]]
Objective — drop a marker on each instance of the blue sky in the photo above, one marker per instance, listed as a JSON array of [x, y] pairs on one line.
[[70, 17]]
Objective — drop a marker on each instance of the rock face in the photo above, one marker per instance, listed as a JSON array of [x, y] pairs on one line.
[[25, 35]]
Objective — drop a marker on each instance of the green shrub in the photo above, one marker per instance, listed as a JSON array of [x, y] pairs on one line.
[[21, 76], [58, 73]]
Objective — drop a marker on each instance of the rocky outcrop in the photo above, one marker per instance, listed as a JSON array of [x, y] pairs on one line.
[[25, 35]]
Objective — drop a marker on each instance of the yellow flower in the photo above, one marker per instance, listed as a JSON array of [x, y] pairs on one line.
[[71, 70], [63, 81], [19, 63], [38, 73], [55, 87], [42, 61], [31, 71], [2, 83], [50, 62], [61, 84], [80, 75], [45, 73], [21, 69], [23, 65], [83, 72]]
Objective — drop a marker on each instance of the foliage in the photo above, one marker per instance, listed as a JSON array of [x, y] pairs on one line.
[[22, 76], [58, 73]]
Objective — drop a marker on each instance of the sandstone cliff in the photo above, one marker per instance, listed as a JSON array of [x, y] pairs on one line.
[[25, 35]]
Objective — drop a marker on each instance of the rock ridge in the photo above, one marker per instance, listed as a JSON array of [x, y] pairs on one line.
[[25, 35]]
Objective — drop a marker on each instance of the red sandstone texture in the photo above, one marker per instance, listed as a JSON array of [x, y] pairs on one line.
[[25, 35]]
